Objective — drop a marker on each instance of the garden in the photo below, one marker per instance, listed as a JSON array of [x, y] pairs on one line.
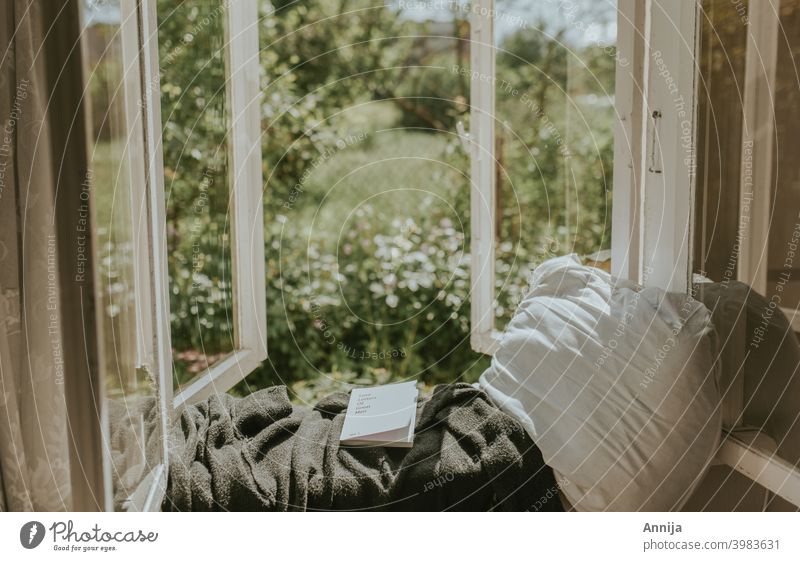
[[366, 181]]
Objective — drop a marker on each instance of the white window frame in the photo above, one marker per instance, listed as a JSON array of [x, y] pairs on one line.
[[652, 206], [243, 91], [152, 346], [139, 39], [483, 337], [668, 162], [148, 217]]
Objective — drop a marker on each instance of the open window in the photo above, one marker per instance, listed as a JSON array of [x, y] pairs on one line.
[[128, 80], [608, 115], [176, 133], [543, 145], [133, 351], [210, 116]]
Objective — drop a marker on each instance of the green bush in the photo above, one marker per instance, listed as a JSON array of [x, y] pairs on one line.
[[390, 297]]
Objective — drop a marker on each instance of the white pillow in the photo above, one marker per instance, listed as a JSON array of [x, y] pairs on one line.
[[617, 385]]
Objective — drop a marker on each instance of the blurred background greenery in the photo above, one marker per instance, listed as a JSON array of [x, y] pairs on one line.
[[366, 183]]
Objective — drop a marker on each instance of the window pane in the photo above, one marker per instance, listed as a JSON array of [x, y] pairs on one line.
[[555, 67], [191, 37], [724, 44], [130, 393], [723, 51]]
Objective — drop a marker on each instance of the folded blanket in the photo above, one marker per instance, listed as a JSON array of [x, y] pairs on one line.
[[261, 453]]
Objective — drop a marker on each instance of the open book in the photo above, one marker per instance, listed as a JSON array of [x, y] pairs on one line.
[[381, 416]]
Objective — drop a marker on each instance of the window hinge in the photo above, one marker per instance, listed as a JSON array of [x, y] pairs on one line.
[[655, 164]]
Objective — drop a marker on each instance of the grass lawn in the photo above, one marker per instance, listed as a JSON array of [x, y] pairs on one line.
[[400, 173]]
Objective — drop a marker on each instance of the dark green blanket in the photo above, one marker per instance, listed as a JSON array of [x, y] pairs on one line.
[[261, 453]]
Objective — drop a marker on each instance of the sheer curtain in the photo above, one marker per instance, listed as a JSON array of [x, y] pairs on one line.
[[34, 446]]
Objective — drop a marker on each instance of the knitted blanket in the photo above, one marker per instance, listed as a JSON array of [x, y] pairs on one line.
[[262, 453]]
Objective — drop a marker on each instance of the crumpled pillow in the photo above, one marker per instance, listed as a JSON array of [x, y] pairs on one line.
[[617, 385]]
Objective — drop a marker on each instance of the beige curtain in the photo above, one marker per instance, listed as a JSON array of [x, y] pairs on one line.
[[34, 446]]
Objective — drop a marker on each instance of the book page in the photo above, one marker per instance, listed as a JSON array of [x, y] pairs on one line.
[[380, 409]]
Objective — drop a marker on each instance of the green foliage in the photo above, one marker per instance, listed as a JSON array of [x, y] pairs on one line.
[[387, 296], [194, 117], [308, 49], [367, 267]]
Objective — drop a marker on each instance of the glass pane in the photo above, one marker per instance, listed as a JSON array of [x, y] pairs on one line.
[[555, 65], [723, 49], [720, 132], [783, 277], [191, 39], [132, 431], [367, 196]]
